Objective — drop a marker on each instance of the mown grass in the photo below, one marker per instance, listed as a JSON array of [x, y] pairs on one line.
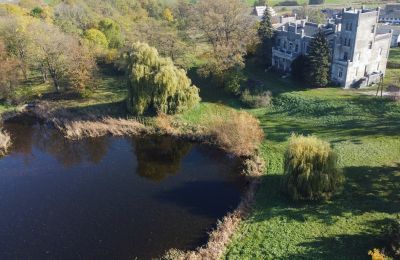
[[364, 131]]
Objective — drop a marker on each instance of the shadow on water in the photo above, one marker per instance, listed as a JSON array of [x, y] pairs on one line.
[[109, 198]]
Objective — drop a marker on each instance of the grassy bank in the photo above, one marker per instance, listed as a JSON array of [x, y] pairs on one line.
[[364, 131]]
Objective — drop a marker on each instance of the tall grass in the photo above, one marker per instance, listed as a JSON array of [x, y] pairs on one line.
[[237, 132], [80, 129], [311, 170], [5, 142]]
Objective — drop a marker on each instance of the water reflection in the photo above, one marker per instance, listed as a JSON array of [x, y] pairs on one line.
[[109, 198], [159, 156]]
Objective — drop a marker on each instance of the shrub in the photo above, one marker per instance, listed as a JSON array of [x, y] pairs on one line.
[[288, 3], [376, 254], [236, 132], [311, 171], [5, 142], [256, 100], [316, 2]]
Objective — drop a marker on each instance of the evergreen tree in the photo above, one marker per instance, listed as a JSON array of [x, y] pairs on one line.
[[299, 68], [318, 61], [266, 35]]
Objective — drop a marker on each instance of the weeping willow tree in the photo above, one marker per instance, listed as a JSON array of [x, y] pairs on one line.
[[156, 84], [311, 171]]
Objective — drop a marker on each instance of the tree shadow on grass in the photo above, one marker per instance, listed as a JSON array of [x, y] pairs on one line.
[[366, 189], [352, 246]]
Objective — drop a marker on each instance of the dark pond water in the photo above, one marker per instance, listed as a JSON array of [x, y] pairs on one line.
[[109, 198]]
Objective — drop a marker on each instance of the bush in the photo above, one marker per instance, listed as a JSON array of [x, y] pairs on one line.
[[236, 132], [311, 171], [316, 2], [288, 3], [256, 100]]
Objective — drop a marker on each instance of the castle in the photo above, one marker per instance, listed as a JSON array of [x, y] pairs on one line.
[[359, 52]]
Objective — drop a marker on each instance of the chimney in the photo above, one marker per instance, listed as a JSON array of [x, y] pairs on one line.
[[302, 33]]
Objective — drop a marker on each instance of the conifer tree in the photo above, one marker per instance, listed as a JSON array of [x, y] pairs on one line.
[[266, 35], [318, 61]]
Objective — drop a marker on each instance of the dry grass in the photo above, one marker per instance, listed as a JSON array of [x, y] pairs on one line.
[[5, 142], [221, 236], [80, 129], [237, 132]]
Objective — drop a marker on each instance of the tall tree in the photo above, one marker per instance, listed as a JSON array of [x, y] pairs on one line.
[[228, 28], [66, 60], [266, 35], [155, 84], [318, 61], [9, 75]]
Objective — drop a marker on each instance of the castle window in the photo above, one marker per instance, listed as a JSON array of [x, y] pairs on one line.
[[358, 56], [356, 72], [340, 73], [373, 29], [345, 56], [297, 48], [380, 51], [370, 45]]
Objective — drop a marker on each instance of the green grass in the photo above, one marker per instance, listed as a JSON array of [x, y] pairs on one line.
[[363, 130]]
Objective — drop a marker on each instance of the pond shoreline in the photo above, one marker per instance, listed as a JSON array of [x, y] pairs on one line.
[[77, 127]]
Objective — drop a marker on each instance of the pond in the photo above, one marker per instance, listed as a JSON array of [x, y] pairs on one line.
[[109, 197]]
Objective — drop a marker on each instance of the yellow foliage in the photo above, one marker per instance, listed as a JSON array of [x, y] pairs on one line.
[[376, 254], [168, 15], [13, 9]]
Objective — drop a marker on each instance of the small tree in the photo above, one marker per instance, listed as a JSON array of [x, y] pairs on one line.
[[96, 37], [266, 36], [318, 61], [311, 171], [155, 84], [112, 31]]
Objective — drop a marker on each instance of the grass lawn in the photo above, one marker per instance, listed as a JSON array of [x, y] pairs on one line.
[[364, 131]]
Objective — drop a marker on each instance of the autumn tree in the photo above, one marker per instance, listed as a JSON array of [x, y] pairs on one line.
[[66, 60], [97, 38], [112, 31], [318, 61], [17, 39], [229, 29], [9, 73], [155, 84]]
